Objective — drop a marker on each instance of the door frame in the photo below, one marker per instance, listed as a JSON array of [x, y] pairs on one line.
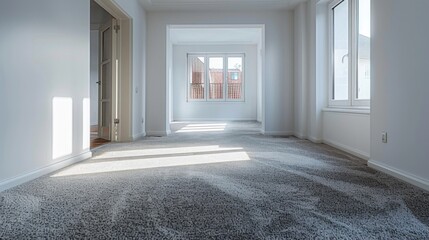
[[261, 75], [103, 82], [124, 71]]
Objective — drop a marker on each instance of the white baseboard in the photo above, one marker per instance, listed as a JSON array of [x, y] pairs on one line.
[[277, 133], [139, 136], [312, 139], [402, 175], [211, 119], [347, 149], [158, 133], [299, 135], [315, 139], [15, 181]]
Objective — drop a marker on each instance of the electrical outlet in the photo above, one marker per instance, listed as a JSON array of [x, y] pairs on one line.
[[384, 137]]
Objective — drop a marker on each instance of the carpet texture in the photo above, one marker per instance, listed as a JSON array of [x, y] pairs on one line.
[[216, 182]]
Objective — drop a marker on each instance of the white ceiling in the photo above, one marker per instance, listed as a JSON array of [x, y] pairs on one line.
[[234, 5], [215, 35]]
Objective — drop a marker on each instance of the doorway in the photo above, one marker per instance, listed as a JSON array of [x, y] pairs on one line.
[[102, 57], [110, 77], [226, 43]]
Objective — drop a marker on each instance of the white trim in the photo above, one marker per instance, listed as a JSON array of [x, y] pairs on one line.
[[299, 135], [139, 136], [365, 111], [158, 133], [26, 177], [277, 133], [212, 119], [215, 43], [217, 26], [261, 45], [348, 149], [402, 175], [315, 139], [310, 138]]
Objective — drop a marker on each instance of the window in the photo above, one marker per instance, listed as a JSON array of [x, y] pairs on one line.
[[197, 77], [224, 74], [350, 53], [216, 76]]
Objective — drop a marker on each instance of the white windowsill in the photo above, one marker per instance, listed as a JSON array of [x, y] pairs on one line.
[[355, 110]]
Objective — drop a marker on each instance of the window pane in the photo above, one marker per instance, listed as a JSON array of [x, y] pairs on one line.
[[197, 78], [216, 77], [235, 77], [363, 79], [341, 51]]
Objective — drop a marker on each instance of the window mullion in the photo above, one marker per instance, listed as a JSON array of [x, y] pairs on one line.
[[225, 78], [207, 80], [351, 52]]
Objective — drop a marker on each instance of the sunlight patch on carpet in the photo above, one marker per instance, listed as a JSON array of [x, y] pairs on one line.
[[165, 151], [209, 127], [138, 164]]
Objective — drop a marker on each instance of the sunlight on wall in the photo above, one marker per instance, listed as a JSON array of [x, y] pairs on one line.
[[208, 127], [163, 151], [62, 126], [138, 164], [86, 123]]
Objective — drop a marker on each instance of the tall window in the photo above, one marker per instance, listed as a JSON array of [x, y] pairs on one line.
[[224, 74], [350, 53]]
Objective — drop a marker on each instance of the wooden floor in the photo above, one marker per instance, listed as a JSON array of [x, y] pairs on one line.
[[98, 142], [95, 140]]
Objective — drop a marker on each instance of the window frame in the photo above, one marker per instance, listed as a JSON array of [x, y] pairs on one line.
[[208, 78], [353, 71], [189, 78], [207, 56]]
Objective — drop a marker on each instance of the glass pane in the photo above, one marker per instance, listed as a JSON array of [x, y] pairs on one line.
[[197, 78], [105, 111], [341, 51], [106, 80], [216, 77], [107, 44], [364, 76], [235, 77]]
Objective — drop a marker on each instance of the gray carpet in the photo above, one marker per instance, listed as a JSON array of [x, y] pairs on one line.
[[286, 189]]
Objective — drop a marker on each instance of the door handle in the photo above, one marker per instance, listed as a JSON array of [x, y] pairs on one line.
[[98, 82]]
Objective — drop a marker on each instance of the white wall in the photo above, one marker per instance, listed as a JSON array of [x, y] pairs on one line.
[[310, 69], [347, 131], [94, 44], [184, 110], [300, 71], [44, 54], [138, 15], [319, 82], [400, 89], [279, 62]]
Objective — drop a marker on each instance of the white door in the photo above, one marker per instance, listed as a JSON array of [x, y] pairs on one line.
[[107, 87]]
